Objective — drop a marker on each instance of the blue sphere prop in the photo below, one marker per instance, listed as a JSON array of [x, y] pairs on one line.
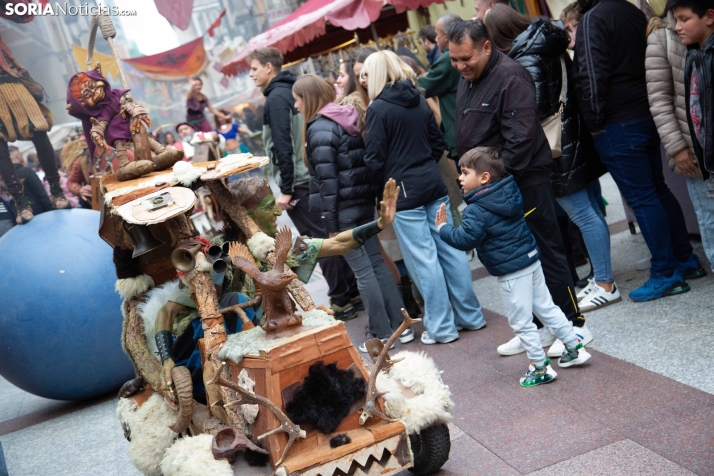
[[60, 318]]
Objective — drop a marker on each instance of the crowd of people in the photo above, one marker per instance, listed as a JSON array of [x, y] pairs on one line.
[[515, 118], [527, 131]]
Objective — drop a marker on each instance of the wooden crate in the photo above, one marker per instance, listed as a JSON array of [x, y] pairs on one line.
[[277, 371]]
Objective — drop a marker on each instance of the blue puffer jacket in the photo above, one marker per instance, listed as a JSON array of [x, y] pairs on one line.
[[493, 223]]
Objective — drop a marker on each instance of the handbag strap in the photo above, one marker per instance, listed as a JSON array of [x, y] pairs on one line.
[[564, 88]]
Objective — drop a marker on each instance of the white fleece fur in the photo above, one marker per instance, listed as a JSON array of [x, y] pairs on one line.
[[150, 432], [149, 309], [432, 401], [192, 456], [186, 173], [130, 287], [260, 245]]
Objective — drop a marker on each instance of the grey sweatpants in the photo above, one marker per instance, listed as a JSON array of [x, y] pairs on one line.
[[524, 294]]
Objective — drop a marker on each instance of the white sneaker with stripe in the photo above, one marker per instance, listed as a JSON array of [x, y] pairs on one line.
[[586, 290], [598, 298]]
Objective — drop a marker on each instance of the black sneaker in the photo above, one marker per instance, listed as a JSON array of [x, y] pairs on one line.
[[344, 313]]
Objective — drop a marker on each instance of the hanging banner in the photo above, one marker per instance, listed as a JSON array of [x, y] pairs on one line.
[[177, 12], [186, 60], [109, 65]]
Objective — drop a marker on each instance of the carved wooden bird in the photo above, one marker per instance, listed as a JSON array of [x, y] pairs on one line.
[[278, 306]]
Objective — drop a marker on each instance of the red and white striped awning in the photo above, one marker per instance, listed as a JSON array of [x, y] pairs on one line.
[[310, 20]]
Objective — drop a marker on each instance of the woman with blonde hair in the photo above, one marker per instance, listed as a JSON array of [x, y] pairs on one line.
[[340, 190], [404, 142]]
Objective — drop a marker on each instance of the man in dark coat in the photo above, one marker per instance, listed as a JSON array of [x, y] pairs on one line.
[[612, 92], [495, 107]]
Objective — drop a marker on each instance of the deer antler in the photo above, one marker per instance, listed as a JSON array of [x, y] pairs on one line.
[[293, 431], [380, 363], [239, 310]]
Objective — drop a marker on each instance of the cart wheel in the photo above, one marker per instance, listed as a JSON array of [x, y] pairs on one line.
[[431, 449]]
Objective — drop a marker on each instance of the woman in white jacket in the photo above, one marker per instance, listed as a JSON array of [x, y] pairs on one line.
[[664, 64]]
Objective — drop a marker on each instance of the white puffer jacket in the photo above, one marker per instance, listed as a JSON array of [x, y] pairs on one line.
[[664, 65]]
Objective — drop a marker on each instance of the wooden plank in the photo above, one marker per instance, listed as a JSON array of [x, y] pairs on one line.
[[332, 339], [142, 192], [275, 443], [384, 430], [311, 331], [254, 362], [294, 353], [298, 460]]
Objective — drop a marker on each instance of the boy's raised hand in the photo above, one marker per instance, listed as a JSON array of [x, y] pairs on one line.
[[441, 215]]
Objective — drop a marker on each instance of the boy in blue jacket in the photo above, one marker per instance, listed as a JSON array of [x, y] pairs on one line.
[[493, 223]]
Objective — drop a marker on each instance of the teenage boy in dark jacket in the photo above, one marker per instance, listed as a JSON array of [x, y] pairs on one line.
[[282, 140], [695, 26], [495, 107], [442, 81], [493, 223], [612, 91]]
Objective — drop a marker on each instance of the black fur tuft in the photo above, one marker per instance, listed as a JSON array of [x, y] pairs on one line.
[[254, 458], [126, 266], [325, 397], [340, 440]]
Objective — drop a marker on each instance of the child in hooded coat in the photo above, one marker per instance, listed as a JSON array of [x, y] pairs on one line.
[[493, 224]]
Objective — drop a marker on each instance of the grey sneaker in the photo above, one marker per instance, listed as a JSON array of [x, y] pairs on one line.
[[407, 336], [575, 356]]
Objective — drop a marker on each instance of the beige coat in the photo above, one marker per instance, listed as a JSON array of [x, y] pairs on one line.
[[664, 65]]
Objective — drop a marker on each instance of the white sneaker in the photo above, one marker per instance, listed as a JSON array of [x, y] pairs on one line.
[[514, 346], [586, 290], [584, 336], [426, 339], [406, 336], [598, 298]]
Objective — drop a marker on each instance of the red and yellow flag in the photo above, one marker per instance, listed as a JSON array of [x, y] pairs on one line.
[[186, 60]]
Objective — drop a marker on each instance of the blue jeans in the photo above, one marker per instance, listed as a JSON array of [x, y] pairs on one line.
[[584, 211], [631, 152], [704, 208], [441, 273]]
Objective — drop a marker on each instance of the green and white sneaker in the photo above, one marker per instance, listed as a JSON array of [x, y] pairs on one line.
[[575, 356], [538, 375]]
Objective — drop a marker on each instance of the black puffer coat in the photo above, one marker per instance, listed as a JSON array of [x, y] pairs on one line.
[[580, 163], [339, 177], [538, 49], [404, 143]]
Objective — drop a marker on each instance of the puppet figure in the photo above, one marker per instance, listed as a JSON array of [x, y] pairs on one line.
[[24, 117], [110, 117]]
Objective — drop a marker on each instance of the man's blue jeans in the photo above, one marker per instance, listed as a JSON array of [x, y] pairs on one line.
[[631, 152], [440, 272]]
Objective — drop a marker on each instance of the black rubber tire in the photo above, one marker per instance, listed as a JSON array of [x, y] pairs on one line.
[[431, 449]]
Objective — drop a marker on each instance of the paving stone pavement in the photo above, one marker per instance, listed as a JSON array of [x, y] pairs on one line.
[[642, 406]]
